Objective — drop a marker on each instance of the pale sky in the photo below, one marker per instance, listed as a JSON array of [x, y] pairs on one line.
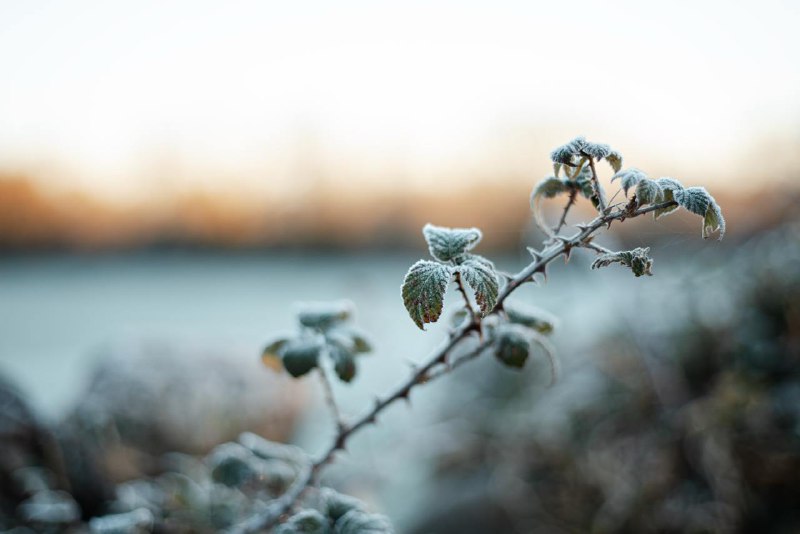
[[108, 96]]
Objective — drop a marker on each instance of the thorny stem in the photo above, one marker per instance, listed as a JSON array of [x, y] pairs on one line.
[[573, 194], [276, 508]]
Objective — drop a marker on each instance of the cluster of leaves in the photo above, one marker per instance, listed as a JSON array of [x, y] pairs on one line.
[[574, 159], [577, 153], [426, 282], [695, 199], [336, 514], [525, 327], [324, 332], [516, 331], [638, 260]]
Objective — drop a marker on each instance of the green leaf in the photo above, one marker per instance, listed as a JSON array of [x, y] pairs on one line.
[[566, 153], [358, 522], [597, 151], [615, 160], [695, 199], [338, 504], [479, 274], [668, 187], [530, 316], [447, 244], [271, 355], [352, 338], [629, 178], [423, 291], [512, 346], [232, 465], [648, 192], [344, 361], [324, 315], [547, 188], [713, 221], [638, 260], [699, 201], [583, 181], [305, 522], [300, 356]]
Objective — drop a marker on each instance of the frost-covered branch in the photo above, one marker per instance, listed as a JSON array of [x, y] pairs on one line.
[[504, 327], [435, 366]]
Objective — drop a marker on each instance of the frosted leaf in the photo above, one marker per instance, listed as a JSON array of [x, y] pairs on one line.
[[713, 221], [638, 260], [489, 264], [353, 338], [648, 192], [695, 199], [324, 315], [629, 178], [583, 181], [337, 504], [565, 153], [530, 316], [668, 187], [358, 522], [447, 244], [423, 291], [232, 464], [547, 188], [597, 150], [300, 355], [699, 201], [271, 355], [479, 274], [615, 160], [49, 507], [305, 522], [512, 346], [344, 362], [138, 520]]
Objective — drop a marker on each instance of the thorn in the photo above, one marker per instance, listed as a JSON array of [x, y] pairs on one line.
[[533, 252], [582, 227], [543, 270]]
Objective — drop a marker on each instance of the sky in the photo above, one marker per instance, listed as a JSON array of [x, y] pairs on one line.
[[121, 98]]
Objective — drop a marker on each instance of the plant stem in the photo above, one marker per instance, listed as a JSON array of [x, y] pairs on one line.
[[276, 508], [463, 292], [330, 399]]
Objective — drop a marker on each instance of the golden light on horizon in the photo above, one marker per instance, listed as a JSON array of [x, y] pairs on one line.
[[121, 99]]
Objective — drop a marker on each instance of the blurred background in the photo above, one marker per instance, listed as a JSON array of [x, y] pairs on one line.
[[174, 176]]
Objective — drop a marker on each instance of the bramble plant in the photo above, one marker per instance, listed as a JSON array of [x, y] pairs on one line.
[[502, 327]]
